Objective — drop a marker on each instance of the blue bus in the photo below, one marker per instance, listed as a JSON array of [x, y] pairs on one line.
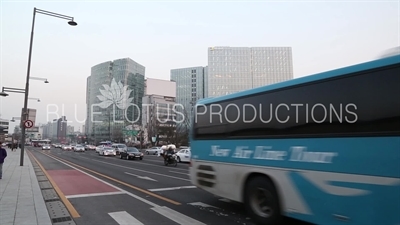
[[324, 149]]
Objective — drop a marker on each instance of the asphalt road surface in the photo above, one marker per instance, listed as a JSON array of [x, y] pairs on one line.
[[113, 191]]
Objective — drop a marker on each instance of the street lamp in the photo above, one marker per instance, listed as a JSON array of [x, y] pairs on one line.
[[15, 118], [34, 99], [70, 22], [4, 91], [39, 78]]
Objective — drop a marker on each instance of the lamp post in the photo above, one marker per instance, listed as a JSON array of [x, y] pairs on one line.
[[24, 114]]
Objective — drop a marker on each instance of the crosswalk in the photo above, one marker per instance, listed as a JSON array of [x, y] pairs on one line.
[[174, 217], [125, 218]]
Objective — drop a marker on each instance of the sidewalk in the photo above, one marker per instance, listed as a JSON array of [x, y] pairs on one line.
[[21, 200]]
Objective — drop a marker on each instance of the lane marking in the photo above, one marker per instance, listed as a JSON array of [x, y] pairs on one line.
[[144, 171], [75, 166], [147, 164], [172, 188], [66, 202], [94, 194], [176, 216], [141, 177], [124, 218], [178, 172], [201, 204]]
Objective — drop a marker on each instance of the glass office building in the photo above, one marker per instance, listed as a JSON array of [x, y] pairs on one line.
[[234, 69], [108, 123], [190, 87]]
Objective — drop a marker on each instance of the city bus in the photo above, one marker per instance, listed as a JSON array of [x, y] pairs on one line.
[[324, 149]]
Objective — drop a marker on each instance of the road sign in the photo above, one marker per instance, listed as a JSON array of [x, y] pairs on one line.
[[28, 123]]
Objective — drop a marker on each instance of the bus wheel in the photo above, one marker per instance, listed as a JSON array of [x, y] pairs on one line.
[[261, 201]]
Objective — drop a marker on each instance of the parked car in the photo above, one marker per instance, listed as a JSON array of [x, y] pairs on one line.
[[131, 153], [153, 151], [107, 151], [79, 148], [184, 155], [46, 147], [118, 147]]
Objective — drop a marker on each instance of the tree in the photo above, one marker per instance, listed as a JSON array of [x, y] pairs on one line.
[[182, 129]]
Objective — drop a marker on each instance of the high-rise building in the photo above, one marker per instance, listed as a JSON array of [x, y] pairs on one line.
[[234, 69], [114, 93], [190, 87]]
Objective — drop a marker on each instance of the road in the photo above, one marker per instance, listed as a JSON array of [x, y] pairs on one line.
[[110, 190]]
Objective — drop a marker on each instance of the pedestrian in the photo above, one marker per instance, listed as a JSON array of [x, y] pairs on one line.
[[3, 155]]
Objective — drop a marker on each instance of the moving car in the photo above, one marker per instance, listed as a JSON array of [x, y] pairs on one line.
[[67, 147], [107, 151], [184, 155], [46, 147], [153, 151], [131, 153], [90, 147], [79, 148], [118, 147]]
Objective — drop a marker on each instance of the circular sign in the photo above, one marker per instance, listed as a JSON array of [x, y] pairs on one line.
[[28, 124]]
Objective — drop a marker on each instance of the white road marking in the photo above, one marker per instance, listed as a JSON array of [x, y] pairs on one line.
[[176, 216], [147, 164], [94, 194], [170, 189], [144, 171], [144, 178], [162, 210], [124, 218], [202, 205], [178, 172]]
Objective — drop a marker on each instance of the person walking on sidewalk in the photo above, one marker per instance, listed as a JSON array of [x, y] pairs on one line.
[[3, 155]]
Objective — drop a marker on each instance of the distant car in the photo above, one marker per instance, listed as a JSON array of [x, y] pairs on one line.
[[184, 155], [107, 151], [90, 147], [118, 147], [67, 147], [46, 147], [153, 151], [131, 153], [79, 148], [99, 148]]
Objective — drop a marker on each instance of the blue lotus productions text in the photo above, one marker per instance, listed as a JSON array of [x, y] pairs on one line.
[[281, 113]]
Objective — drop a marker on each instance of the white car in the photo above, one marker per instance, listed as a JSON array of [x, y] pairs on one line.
[[46, 147], [184, 155], [79, 148], [99, 148], [107, 151], [153, 151], [67, 147]]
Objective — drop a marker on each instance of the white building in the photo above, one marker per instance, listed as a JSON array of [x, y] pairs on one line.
[[158, 112]]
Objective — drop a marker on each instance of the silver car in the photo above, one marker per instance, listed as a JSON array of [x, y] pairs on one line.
[[153, 151], [107, 151]]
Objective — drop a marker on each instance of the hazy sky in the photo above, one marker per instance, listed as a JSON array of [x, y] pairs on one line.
[[164, 35]]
